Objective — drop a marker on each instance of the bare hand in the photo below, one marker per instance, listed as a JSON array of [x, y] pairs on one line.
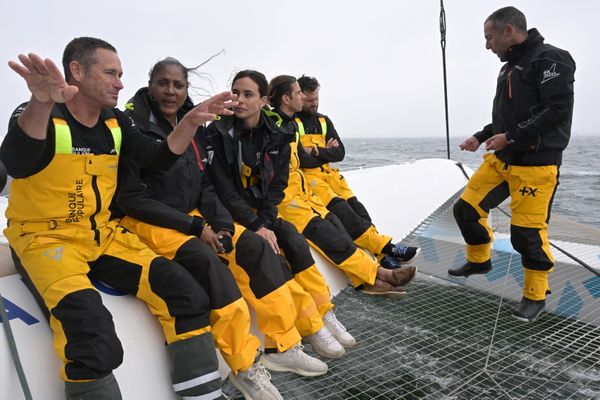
[[210, 237], [496, 142], [208, 110], [308, 150], [332, 143], [471, 144], [270, 237], [44, 80]]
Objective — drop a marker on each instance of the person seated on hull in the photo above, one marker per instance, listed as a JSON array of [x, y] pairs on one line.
[[179, 216], [531, 127], [321, 146], [322, 228], [177, 213], [62, 149], [249, 157]]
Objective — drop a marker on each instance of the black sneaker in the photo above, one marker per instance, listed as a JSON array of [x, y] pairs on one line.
[[529, 310], [470, 268], [404, 253], [390, 262]]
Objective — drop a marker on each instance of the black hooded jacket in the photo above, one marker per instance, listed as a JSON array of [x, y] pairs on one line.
[[255, 206], [165, 199], [533, 103]]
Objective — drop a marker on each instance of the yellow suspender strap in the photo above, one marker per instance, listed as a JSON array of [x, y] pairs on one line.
[[323, 123], [300, 126], [63, 143], [115, 130]]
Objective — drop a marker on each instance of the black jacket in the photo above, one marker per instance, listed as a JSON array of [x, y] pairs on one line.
[[165, 198], [256, 206], [533, 103], [312, 126]]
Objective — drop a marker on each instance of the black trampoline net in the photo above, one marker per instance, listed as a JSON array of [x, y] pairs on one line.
[[454, 338]]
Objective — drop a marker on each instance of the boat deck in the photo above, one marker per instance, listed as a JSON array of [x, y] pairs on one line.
[[454, 338]]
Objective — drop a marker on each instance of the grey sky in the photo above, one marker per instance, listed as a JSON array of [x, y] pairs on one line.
[[379, 62]]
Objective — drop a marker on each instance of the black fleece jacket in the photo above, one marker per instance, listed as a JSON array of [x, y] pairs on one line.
[[533, 103], [256, 206], [165, 198]]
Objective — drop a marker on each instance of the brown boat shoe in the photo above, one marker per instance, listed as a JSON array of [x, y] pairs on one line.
[[382, 288], [402, 276]]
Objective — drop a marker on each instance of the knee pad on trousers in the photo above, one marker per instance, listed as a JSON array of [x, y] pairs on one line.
[[528, 242], [354, 224], [105, 388], [467, 219], [187, 302], [359, 208], [92, 347]]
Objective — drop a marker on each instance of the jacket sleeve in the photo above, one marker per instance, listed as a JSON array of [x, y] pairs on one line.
[[135, 202], [219, 171], [554, 73], [326, 155], [267, 211], [306, 160], [484, 134], [23, 155], [212, 208], [332, 154], [149, 153]]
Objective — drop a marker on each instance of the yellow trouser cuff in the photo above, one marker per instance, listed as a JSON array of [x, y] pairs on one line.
[[284, 341], [242, 361], [536, 284], [479, 253]]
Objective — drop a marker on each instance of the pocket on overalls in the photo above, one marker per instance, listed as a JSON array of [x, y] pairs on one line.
[[531, 190]]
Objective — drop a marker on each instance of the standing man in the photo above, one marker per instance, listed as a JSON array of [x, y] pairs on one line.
[[63, 149], [322, 145], [531, 126]]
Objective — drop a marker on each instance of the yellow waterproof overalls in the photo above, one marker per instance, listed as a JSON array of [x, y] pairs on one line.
[[531, 190], [306, 211], [329, 185], [61, 235]]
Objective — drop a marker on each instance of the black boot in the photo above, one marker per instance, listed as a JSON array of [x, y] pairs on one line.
[[100, 389], [470, 268], [529, 310]]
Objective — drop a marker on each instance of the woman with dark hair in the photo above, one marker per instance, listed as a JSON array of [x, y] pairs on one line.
[[178, 214], [249, 155]]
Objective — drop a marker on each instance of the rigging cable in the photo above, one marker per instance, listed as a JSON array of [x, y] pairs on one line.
[[443, 44]]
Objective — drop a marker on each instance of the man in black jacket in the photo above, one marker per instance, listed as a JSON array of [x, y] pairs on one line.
[[62, 150], [531, 126]]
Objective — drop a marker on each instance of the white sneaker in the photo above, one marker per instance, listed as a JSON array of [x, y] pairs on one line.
[[255, 383], [294, 360], [338, 330], [324, 344]]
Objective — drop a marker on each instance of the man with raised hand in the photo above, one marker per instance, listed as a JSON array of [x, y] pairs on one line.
[[63, 149]]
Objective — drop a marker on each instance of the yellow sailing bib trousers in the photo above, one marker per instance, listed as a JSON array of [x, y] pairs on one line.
[[61, 236], [531, 190], [327, 184]]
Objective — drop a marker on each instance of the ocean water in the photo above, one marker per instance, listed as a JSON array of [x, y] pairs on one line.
[[579, 183]]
